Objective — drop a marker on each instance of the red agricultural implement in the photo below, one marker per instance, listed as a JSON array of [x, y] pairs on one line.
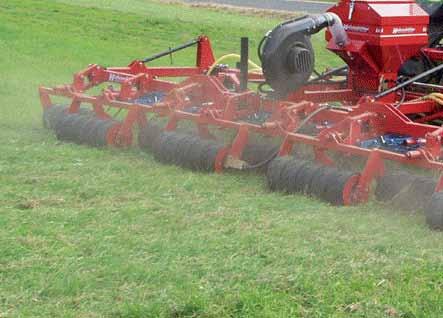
[[380, 112]]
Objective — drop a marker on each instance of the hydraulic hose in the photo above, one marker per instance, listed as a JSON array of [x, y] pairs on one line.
[[409, 81], [255, 67], [299, 127]]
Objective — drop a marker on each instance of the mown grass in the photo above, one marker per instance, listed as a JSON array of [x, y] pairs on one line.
[[107, 233]]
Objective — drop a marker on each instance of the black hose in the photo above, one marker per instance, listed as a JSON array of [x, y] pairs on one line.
[[409, 81], [275, 154], [335, 71], [260, 46]]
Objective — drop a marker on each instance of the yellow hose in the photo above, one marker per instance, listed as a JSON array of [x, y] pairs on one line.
[[436, 97], [256, 68]]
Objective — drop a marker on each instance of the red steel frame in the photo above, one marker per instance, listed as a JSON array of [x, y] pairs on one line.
[[360, 117]]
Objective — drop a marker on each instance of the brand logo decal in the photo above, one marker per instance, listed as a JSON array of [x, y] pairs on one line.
[[404, 30], [356, 28], [117, 78]]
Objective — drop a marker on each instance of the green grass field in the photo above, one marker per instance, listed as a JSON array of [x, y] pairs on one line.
[[110, 233]]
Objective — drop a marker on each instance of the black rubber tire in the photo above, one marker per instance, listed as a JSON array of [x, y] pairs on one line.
[[200, 160], [273, 172], [92, 138], [75, 130], [334, 194], [178, 146], [102, 132], [434, 212], [328, 180], [304, 179], [196, 154], [52, 114], [315, 187], [295, 173], [64, 126], [211, 156], [281, 181], [257, 153], [46, 117], [85, 130], [148, 136], [416, 195], [161, 151], [204, 160], [86, 112], [293, 176], [406, 191], [391, 184], [287, 175], [186, 150]]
